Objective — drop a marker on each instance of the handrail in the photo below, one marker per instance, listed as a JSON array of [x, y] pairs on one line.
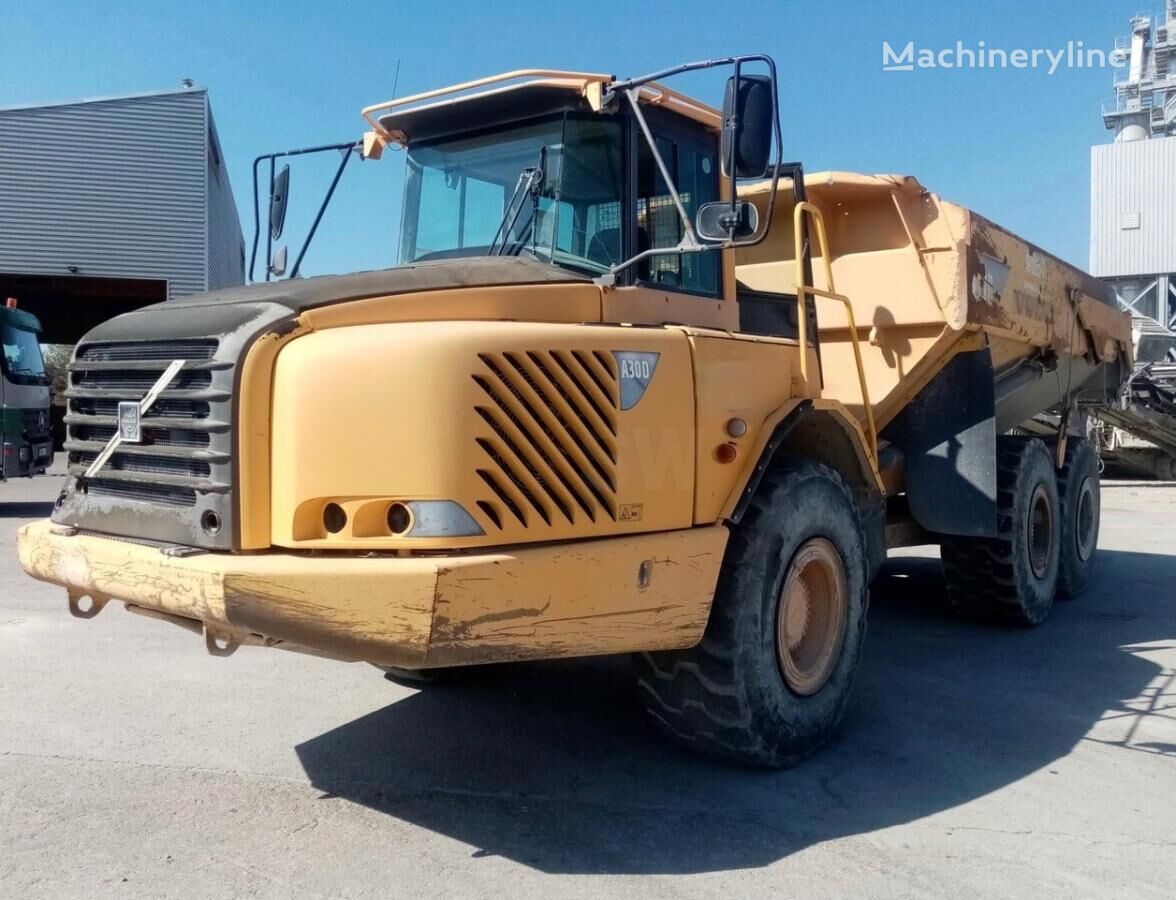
[[803, 291]]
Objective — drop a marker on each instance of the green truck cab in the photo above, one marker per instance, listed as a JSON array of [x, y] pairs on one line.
[[25, 430]]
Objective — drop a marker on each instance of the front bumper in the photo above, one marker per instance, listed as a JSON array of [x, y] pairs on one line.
[[646, 592]]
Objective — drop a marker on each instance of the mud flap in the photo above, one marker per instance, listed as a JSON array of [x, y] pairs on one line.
[[948, 437]]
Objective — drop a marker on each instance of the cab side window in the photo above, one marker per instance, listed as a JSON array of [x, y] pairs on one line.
[[693, 168]]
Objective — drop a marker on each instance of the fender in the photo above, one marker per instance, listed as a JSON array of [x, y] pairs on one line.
[[783, 423], [823, 431]]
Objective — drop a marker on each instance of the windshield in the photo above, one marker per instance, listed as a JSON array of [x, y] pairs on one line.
[[22, 355], [459, 191]]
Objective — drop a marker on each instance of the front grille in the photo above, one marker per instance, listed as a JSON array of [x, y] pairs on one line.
[[549, 452], [158, 495], [155, 465], [136, 351], [138, 381], [185, 450], [172, 409], [162, 437]]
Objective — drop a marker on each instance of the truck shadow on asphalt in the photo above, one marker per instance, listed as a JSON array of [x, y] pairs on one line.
[[553, 766], [26, 510]]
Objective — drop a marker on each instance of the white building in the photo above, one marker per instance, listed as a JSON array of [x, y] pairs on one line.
[[1133, 180]]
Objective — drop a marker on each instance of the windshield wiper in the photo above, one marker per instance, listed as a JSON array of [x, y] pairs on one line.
[[530, 184]]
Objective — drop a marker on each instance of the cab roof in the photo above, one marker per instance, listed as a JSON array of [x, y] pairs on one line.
[[511, 96], [19, 318]]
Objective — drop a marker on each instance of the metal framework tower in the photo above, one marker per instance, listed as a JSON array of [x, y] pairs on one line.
[[1133, 180]]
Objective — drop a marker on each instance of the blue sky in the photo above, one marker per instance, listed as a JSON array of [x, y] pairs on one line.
[[1014, 145]]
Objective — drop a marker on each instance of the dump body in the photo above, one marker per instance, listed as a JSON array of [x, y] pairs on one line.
[[965, 331], [928, 278]]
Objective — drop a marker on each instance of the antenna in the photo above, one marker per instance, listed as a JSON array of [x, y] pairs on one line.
[[396, 78]]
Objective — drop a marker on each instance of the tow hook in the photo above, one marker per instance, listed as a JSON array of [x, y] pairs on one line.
[[85, 606], [219, 642]]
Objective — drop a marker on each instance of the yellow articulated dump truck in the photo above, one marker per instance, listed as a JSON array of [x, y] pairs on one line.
[[637, 386]]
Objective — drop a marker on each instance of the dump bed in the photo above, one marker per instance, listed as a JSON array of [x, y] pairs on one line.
[[928, 279]]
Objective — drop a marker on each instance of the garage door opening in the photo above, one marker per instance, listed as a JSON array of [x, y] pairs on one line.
[[70, 305]]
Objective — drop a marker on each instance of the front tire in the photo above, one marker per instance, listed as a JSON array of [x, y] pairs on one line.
[[419, 679], [771, 678]]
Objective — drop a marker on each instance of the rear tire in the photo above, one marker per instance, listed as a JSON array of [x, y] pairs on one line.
[[1014, 576], [1079, 499], [770, 680]]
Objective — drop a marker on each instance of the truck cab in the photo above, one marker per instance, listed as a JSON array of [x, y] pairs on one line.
[[25, 428]]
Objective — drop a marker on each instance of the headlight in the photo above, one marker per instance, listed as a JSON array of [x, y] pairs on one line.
[[435, 518]]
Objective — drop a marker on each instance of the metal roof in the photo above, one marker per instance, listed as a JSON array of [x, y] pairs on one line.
[[106, 99]]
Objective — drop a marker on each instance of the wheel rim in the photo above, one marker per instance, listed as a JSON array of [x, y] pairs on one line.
[[1084, 531], [810, 617], [1040, 531]]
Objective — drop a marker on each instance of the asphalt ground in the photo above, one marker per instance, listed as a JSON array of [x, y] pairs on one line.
[[974, 760]]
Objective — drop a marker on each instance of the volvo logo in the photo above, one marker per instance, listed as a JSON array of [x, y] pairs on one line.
[[129, 423]]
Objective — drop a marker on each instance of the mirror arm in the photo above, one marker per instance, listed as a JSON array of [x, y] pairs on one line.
[[690, 242], [682, 247], [269, 232], [618, 87], [318, 217], [356, 146], [733, 150], [779, 164], [256, 220], [688, 237]]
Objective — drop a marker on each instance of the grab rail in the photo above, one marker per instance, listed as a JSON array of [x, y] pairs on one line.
[[803, 291]]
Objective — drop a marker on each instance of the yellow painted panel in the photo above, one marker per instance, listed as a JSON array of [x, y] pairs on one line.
[[642, 592], [578, 599], [736, 378], [453, 411]]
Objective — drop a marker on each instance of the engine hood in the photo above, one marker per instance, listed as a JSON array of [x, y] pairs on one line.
[[199, 313], [178, 485]]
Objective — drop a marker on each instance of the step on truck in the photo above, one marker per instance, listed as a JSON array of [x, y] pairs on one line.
[[26, 442], [637, 386]]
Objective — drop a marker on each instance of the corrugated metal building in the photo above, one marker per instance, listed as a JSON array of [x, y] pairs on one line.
[[1133, 205], [110, 204], [1133, 223]]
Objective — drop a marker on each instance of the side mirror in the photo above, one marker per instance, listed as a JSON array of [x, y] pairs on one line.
[[748, 116], [279, 193], [718, 221], [278, 266]]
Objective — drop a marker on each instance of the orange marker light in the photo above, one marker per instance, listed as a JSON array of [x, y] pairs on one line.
[[726, 453], [11, 304]]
